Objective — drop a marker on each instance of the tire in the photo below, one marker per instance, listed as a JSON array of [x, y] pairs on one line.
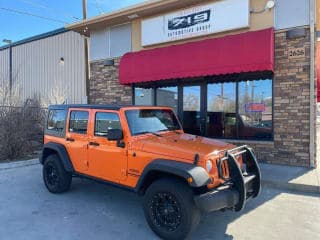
[[55, 177], [170, 210]]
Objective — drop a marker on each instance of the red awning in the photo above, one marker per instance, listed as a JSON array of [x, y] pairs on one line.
[[246, 52]]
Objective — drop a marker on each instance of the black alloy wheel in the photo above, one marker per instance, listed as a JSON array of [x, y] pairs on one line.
[[55, 177], [166, 211], [169, 208]]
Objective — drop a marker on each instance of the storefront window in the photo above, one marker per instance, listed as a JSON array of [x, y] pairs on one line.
[[191, 110], [221, 110], [168, 97], [220, 117], [143, 96], [255, 109]]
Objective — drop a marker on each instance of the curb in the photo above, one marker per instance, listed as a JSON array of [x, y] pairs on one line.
[[303, 188], [24, 163]]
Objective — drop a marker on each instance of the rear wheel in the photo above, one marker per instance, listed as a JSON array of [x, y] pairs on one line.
[[169, 209], [55, 177]]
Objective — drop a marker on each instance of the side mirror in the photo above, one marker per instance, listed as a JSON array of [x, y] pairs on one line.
[[115, 135]]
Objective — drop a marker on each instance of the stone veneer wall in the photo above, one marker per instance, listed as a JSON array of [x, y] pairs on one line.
[[104, 85], [291, 92], [291, 101]]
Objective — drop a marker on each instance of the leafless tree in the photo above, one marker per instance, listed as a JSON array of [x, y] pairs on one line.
[[21, 124]]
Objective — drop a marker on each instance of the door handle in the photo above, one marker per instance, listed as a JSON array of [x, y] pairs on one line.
[[94, 144], [70, 139]]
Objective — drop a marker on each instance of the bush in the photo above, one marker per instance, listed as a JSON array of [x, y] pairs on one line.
[[21, 129]]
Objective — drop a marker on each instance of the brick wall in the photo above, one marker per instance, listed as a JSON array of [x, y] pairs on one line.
[[104, 85], [291, 93], [291, 101]]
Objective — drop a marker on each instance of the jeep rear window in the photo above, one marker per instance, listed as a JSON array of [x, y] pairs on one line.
[[56, 120], [151, 120], [78, 122]]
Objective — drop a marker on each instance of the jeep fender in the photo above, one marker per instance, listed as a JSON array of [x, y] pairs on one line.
[[61, 151], [183, 170]]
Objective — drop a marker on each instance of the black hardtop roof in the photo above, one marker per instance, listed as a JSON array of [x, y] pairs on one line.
[[95, 106], [89, 106]]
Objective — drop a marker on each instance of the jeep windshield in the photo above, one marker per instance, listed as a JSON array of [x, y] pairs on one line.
[[142, 121]]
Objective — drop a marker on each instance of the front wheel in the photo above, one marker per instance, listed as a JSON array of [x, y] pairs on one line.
[[169, 209]]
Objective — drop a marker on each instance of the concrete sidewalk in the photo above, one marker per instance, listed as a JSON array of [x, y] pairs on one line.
[[284, 177], [292, 178], [17, 164]]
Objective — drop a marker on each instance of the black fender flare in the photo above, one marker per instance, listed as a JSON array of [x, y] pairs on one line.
[[199, 175], [62, 153]]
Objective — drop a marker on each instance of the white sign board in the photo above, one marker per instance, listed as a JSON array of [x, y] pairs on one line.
[[196, 21]]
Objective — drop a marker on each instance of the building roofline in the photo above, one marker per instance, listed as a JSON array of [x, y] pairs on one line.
[[36, 37], [116, 13], [144, 9]]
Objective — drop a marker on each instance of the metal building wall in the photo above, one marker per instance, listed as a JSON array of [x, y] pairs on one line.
[[4, 67], [38, 68]]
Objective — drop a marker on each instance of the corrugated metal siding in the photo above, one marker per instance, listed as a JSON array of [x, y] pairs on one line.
[[99, 44], [4, 67], [291, 13], [37, 68], [110, 42]]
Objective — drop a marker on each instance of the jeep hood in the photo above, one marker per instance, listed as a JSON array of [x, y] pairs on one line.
[[182, 146]]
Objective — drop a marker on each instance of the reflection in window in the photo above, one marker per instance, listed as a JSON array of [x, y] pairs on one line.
[[56, 120], [78, 122], [221, 110], [191, 110], [151, 120], [191, 98], [143, 96], [104, 122], [255, 109], [168, 97]]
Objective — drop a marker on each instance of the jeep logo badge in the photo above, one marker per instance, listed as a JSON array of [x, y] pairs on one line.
[[189, 20]]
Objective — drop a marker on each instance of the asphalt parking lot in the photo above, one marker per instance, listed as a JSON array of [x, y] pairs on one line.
[[95, 211]]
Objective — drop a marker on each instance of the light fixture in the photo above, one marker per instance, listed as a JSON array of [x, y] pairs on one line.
[[270, 4], [133, 16], [108, 62], [7, 41]]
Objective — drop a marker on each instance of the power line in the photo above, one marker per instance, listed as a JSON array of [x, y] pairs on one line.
[[47, 7], [31, 14], [98, 6]]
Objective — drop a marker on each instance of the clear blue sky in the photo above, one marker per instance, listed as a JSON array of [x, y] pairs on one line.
[[16, 26]]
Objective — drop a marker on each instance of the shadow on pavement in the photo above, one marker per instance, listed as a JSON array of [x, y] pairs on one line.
[[212, 226]]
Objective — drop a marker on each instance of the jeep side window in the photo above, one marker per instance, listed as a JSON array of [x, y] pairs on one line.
[[104, 122], [56, 120], [78, 122]]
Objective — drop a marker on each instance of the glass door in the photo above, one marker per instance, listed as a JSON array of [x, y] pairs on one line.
[[221, 110], [192, 110]]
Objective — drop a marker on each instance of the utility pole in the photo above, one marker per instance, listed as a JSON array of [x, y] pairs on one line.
[[86, 55]]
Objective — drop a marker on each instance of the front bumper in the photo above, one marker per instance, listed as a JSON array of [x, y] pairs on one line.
[[243, 183]]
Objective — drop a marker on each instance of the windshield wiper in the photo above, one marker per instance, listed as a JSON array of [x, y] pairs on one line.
[[154, 133], [173, 130]]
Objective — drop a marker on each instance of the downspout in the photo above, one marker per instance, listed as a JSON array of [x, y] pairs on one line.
[[312, 81]]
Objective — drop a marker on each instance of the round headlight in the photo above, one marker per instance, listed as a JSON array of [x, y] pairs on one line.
[[209, 165]]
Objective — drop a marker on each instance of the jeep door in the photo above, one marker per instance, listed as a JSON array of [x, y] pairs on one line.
[[107, 160], [77, 138]]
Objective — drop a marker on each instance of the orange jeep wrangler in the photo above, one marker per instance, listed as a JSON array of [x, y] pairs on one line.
[[144, 149]]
